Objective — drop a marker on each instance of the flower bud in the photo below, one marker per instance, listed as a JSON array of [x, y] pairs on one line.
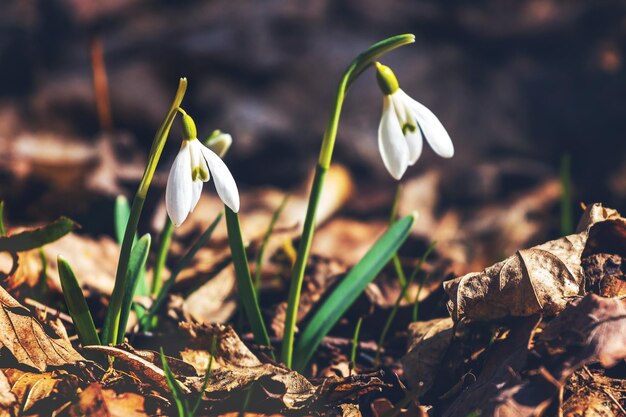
[[219, 142], [189, 127], [387, 80]]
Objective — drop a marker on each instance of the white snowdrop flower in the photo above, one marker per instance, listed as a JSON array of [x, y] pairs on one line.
[[193, 166], [403, 124]]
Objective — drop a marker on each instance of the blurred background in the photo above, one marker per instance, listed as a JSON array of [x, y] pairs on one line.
[[518, 84]]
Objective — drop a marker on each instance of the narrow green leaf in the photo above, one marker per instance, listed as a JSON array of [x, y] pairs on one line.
[[355, 343], [202, 240], [266, 239], [181, 403], [136, 264], [165, 239], [349, 289], [76, 304], [396, 305], [34, 238], [205, 382], [3, 230], [245, 286], [120, 217]]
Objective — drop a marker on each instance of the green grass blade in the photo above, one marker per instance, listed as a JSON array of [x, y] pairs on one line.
[[3, 230], [121, 213], [202, 240], [76, 305], [205, 382], [266, 239], [121, 216], [164, 245], [34, 238], [177, 394], [403, 294], [355, 343], [416, 301], [136, 265], [349, 289], [245, 286]]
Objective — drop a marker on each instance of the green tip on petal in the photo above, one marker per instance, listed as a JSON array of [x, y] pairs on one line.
[[199, 173], [387, 80], [189, 128]]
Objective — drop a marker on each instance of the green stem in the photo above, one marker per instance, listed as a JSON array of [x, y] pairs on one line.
[[356, 68], [245, 286], [392, 218], [164, 246], [112, 320]]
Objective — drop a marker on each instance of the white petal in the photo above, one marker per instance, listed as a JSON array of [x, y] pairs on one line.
[[414, 139], [196, 190], [391, 143], [178, 193], [224, 181], [436, 135]]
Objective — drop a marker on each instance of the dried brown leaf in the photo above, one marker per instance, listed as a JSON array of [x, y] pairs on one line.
[[95, 401], [428, 343], [235, 367], [143, 369], [537, 280], [31, 342], [589, 330], [7, 398]]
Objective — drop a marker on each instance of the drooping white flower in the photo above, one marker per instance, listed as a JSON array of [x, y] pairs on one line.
[[194, 165], [403, 125]]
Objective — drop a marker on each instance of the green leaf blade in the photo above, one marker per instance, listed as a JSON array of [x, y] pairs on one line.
[[35, 238], [136, 264], [349, 289], [245, 286], [121, 213], [77, 305]]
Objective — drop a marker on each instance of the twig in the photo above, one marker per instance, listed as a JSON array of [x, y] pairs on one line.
[[65, 317]]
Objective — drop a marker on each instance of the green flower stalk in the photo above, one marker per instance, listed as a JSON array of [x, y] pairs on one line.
[[356, 68], [112, 321]]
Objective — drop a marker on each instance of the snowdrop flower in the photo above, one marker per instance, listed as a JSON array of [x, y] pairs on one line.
[[193, 166], [403, 125]]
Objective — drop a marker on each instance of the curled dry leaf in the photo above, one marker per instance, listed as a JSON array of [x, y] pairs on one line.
[[428, 343], [37, 392], [235, 367], [31, 342], [537, 280], [146, 371]]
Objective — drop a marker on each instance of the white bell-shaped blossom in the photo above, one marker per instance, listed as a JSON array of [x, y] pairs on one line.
[[194, 165], [403, 125]]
